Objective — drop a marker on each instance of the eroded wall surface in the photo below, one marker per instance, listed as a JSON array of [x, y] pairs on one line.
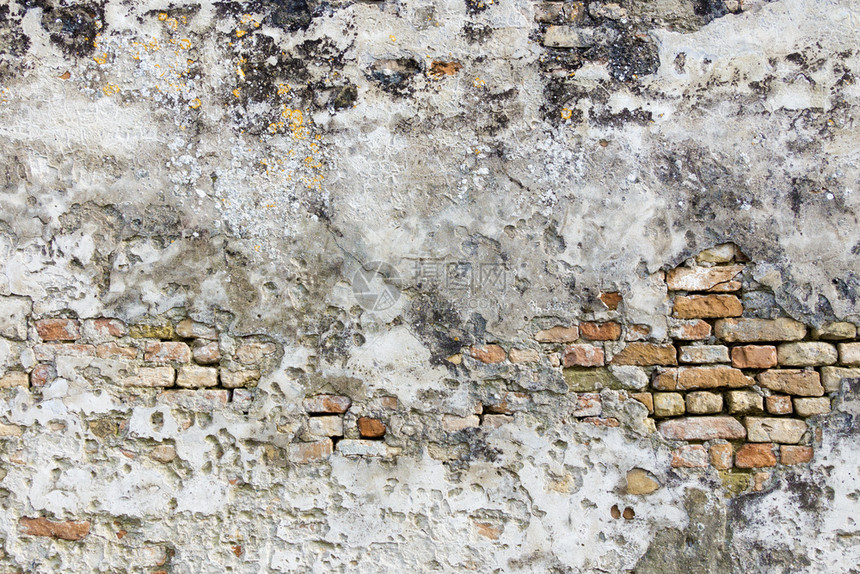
[[420, 286]]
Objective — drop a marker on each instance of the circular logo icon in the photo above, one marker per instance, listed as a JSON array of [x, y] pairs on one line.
[[376, 286]]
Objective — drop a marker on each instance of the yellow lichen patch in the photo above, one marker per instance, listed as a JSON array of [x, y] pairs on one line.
[[283, 89], [392, 37], [110, 89], [566, 113], [195, 103], [100, 59], [162, 16], [236, 92], [478, 83], [240, 33]]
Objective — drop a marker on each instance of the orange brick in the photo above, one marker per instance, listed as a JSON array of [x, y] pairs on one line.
[[583, 356], [488, 354], [58, 329], [755, 455], [721, 456], [610, 331], [65, 530], [371, 428], [790, 454], [754, 357]]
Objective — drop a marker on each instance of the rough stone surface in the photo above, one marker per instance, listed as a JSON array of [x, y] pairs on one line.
[[755, 456], [370, 427], [640, 481], [721, 456], [811, 406], [778, 404], [703, 354], [558, 334], [327, 426], [600, 331], [835, 331], [668, 404], [704, 403], [744, 402], [700, 278], [686, 378], [583, 356], [196, 377], [832, 377], [327, 404], [352, 195], [789, 454], [849, 354], [66, 530], [645, 354]]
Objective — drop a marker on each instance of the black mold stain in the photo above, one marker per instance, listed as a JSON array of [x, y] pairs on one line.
[[292, 15], [632, 57], [394, 75], [73, 28], [13, 43]]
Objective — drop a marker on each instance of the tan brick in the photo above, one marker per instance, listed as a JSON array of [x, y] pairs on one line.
[[722, 253], [151, 377], [306, 452], [495, 421], [792, 382], [524, 356], [558, 334], [688, 378], [58, 329], [195, 399], [755, 330], [327, 404], [453, 423], [583, 356], [206, 353], [835, 331], [831, 377], [194, 377], [167, 352], [849, 354], [114, 351], [189, 329], [646, 354], [488, 354], [721, 456], [759, 455], [10, 430], [778, 404], [252, 353], [806, 354], [231, 379], [689, 329], [668, 404], [707, 306], [14, 379], [163, 453], [610, 331], [702, 428], [640, 332], [704, 403], [64, 530], [754, 357], [640, 481], [811, 406], [700, 278], [744, 402], [727, 287], [703, 354], [370, 427], [331, 425], [611, 299], [646, 399], [785, 431], [588, 405], [789, 454], [690, 456]]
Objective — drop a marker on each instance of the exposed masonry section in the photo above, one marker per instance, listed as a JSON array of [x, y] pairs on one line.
[[734, 387]]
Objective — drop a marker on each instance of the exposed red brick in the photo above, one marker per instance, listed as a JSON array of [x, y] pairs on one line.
[[790, 454], [690, 456], [207, 353], [114, 351], [702, 428], [488, 353], [305, 452], [754, 356], [42, 374], [638, 332], [721, 456], [64, 530], [167, 352], [601, 422], [755, 455], [487, 530], [583, 356], [778, 404], [109, 328], [689, 330], [58, 329], [327, 404], [646, 399], [558, 334], [610, 331], [371, 428], [792, 382], [611, 299], [687, 378]]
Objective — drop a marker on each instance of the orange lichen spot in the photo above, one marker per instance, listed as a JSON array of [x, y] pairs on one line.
[[101, 59], [162, 16], [65, 75], [392, 37], [185, 44], [439, 68], [478, 83], [110, 89], [236, 92], [240, 33], [283, 89], [195, 103], [566, 113]]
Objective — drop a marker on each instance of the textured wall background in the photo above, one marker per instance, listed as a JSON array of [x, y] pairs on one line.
[[345, 198]]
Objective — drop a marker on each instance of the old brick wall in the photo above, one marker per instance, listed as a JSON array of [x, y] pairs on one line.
[[429, 286]]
